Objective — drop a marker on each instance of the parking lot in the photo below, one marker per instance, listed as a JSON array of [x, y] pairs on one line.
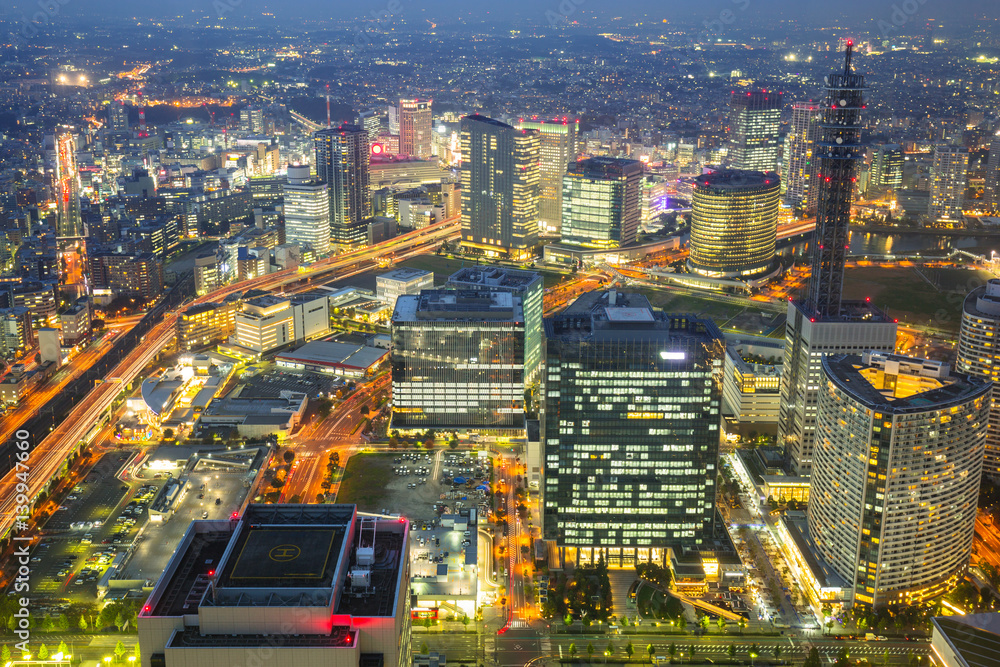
[[102, 516], [273, 381]]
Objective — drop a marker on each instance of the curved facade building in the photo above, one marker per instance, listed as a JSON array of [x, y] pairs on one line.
[[734, 223], [979, 355], [895, 477]]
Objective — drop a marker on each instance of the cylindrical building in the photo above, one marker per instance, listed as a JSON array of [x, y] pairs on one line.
[[979, 355], [895, 476], [734, 223]]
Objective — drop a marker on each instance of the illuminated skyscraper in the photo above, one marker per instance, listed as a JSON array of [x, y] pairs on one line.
[[800, 163], [949, 178], [559, 147], [602, 203], [895, 483], [979, 355], [66, 185], [887, 166], [252, 120], [824, 323], [499, 187], [754, 121], [630, 430], [415, 127], [342, 162], [118, 116], [991, 192], [307, 211]]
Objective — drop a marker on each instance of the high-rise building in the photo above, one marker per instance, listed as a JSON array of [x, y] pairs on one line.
[[342, 161], [559, 148], [499, 187], [991, 191], [754, 121], [307, 211], [415, 127], [372, 122], [949, 178], [66, 185], [734, 223], [527, 286], [979, 355], [252, 120], [265, 323], [887, 166], [118, 116], [800, 163], [630, 430], [895, 481], [283, 584], [602, 203], [458, 361], [823, 323]]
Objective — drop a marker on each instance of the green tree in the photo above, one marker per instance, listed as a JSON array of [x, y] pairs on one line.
[[424, 649], [682, 622], [742, 623], [62, 623], [168, 434], [609, 651], [5, 654], [135, 652], [672, 650], [843, 658], [572, 649], [691, 650], [629, 650], [650, 650], [812, 660], [590, 650], [721, 622], [120, 621], [49, 624], [288, 456], [83, 622], [465, 620], [63, 648], [777, 653], [732, 650], [43, 652]]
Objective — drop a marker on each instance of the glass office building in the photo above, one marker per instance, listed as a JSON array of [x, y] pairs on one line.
[[602, 203], [458, 360], [630, 430], [754, 124], [734, 223]]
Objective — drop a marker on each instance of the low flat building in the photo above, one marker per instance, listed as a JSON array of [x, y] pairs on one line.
[[255, 416], [327, 356], [966, 641], [751, 383], [389, 286], [283, 585]]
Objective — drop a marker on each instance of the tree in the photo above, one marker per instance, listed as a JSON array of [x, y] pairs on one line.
[[83, 622], [288, 456], [732, 650], [721, 623], [572, 649], [120, 621], [843, 658], [650, 650], [812, 660], [43, 652], [423, 648], [682, 622], [168, 434], [743, 624], [672, 650], [590, 650], [629, 650], [135, 652], [63, 648], [5, 654], [465, 620], [609, 651], [691, 650], [777, 653]]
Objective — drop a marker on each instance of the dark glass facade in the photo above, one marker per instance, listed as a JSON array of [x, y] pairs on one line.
[[458, 360], [631, 429]]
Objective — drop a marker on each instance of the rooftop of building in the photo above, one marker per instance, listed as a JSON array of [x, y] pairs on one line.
[[404, 274], [898, 384], [603, 165], [492, 276], [286, 555], [458, 305], [984, 301], [850, 312], [797, 526], [735, 180], [974, 637], [334, 353], [479, 118]]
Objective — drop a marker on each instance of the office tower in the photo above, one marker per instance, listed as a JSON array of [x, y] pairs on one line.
[[415, 127], [203, 325], [895, 483], [734, 223], [630, 430], [949, 177], [527, 286], [823, 323], [118, 116], [602, 203], [342, 161], [800, 162], [458, 361], [265, 323], [754, 121], [252, 120], [307, 211], [991, 191], [559, 147], [283, 584], [887, 166], [979, 355], [66, 184], [372, 122], [499, 187]]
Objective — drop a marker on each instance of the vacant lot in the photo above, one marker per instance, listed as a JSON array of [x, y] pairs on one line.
[[370, 483], [365, 481]]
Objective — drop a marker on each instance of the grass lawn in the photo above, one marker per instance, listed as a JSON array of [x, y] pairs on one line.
[[936, 301], [365, 480], [673, 302], [445, 266]]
